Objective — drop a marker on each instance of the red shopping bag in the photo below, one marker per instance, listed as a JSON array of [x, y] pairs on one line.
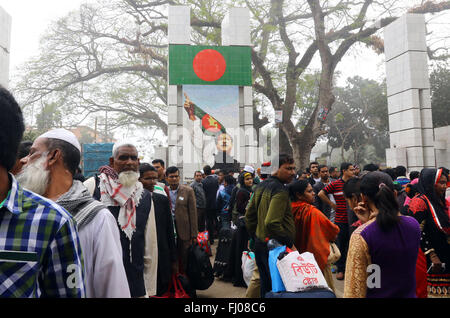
[[178, 291], [175, 289]]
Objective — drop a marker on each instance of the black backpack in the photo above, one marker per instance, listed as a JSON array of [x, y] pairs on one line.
[[199, 269]]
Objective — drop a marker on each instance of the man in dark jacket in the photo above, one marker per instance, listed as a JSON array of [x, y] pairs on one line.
[[269, 216], [314, 170], [167, 250], [200, 199], [210, 185], [184, 212], [324, 181], [118, 188]]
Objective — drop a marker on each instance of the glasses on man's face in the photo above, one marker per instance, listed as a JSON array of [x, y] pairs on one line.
[[127, 157]]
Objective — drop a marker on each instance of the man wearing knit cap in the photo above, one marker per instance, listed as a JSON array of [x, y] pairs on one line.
[[118, 188], [48, 170]]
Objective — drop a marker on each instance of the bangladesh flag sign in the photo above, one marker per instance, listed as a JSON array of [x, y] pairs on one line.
[[209, 124], [210, 65]]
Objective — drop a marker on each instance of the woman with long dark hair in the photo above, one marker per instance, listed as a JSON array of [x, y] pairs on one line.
[[429, 209], [313, 230], [382, 254]]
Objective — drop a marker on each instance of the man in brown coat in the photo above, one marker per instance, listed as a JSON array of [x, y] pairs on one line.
[[184, 213]]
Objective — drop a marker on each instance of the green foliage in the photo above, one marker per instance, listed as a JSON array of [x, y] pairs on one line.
[[359, 120], [30, 135], [49, 117], [86, 138], [307, 95], [440, 96]]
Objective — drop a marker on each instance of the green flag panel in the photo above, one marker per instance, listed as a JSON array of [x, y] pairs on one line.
[[210, 65]]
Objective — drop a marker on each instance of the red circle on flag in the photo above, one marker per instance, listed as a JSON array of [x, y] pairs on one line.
[[209, 65]]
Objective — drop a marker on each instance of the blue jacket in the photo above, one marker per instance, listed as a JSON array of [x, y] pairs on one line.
[[223, 199]]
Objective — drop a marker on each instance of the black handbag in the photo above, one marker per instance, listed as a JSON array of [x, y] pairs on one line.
[[199, 269]]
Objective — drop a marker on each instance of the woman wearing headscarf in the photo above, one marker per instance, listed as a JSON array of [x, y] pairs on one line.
[[382, 253], [313, 230], [240, 237], [429, 209]]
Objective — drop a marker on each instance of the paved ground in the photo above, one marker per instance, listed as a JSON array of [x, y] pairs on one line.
[[221, 289]]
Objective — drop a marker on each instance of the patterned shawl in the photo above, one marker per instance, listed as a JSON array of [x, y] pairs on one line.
[[112, 193], [314, 231]]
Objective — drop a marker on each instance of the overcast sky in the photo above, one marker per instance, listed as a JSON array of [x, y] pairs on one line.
[[30, 19]]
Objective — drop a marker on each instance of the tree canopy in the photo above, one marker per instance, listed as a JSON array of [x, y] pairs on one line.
[[359, 119], [111, 56], [440, 96]]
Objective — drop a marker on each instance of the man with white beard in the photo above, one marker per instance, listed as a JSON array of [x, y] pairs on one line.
[[117, 187], [48, 170]]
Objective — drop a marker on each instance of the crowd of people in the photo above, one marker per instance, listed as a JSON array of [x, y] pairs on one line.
[[125, 231]]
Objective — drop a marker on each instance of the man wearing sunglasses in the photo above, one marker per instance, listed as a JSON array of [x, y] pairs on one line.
[[118, 188]]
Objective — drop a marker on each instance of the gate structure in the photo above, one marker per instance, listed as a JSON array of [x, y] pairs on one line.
[[210, 103], [408, 90]]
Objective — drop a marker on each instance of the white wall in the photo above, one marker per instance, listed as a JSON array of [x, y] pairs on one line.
[[5, 44]]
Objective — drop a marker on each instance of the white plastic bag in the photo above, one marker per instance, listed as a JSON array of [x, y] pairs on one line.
[[248, 265], [300, 272]]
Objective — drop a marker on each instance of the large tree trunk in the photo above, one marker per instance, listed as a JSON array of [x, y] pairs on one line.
[[302, 144], [285, 145], [302, 154]]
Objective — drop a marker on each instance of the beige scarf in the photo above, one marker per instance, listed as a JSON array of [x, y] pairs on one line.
[[151, 254]]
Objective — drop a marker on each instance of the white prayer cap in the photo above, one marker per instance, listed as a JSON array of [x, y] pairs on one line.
[[249, 169], [62, 134], [122, 143]]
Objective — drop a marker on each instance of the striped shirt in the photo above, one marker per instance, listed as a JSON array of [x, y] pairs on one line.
[[336, 188], [40, 254]]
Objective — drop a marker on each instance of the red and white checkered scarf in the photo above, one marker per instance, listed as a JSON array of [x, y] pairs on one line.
[[112, 193]]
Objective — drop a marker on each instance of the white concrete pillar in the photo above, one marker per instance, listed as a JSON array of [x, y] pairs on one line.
[[236, 32], [5, 45], [179, 31], [408, 90]]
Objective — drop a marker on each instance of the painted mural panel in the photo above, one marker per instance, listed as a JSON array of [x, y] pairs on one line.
[[211, 120]]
